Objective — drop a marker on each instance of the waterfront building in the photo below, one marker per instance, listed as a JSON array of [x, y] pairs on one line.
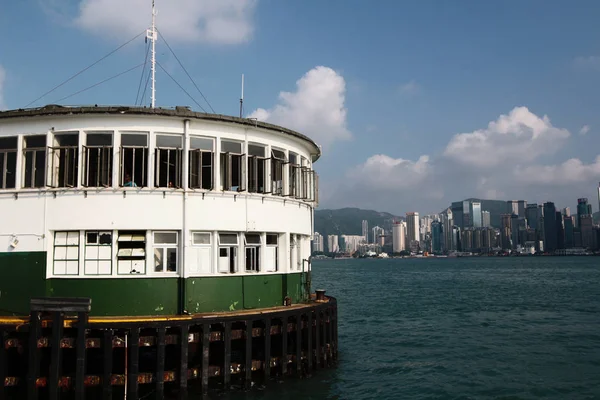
[[486, 219], [521, 208], [550, 227], [532, 215], [398, 236], [582, 209], [437, 235], [412, 227], [566, 211], [333, 244], [587, 232], [568, 225], [378, 235], [476, 214], [456, 209], [365, 230], [317, 244], [512, 207], [560, 231], [506, 231], [447, 224]]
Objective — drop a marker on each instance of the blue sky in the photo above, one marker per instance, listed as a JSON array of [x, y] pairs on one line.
[[398, 80]]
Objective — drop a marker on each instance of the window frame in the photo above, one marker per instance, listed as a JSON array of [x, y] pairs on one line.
[[140, 258], [271, 246], [66, 259], [4, 164], [98, 245], [278, 170], [254, 161], [177, 152], [164, 247], [196, 167], [106, 153], [71, 163], [226, 168], [33, 150], [145, 159]]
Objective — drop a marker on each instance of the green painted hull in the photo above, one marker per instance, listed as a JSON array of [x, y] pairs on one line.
[[22, 277]]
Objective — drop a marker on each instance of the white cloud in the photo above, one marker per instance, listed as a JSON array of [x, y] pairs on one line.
[[584, 130], [410, 88], [2, 79], [316, 108], [381, 172], [206, 21], [569, 172], [519, 136]]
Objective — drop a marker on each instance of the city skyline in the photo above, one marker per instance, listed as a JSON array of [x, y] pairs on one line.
[[504, 114]]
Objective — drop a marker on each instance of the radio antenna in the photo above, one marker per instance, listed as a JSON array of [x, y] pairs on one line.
[[151, 34], [242, 98]]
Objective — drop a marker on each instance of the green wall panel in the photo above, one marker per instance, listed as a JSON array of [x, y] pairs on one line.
[[22, 276], [262, 291], [214, 294], [127, 297]]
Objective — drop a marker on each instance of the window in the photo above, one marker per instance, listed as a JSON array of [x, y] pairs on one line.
[[165, 251], [256, 168], [167, 161], [252, 241], [278, 160], [295, 176], [134, 160], [131, 253], [271, 260], [98, 253], [8, 162], [64, 160], [98, 159], [200, 254], [201, 163], [232, 164], [228, 253], [66, 253], [34, 161]]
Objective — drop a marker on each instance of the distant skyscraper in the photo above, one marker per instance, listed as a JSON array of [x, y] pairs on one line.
[[550, 228], [476, 214], [447, 224], [365, 230], [378, 235], [590, 212], [521, 207], [587, 232], [398, 236], [486, 219], [505, 232], [531, 213], [333, 244], [566, 212], [512, 207], [582, 209], [412, 227], [598, 196], [560, 231], [467, 217], [568, 224], [457, 213], [436, 237], [318, 242]]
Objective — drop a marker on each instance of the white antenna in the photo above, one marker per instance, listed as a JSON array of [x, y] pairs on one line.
[[151, 34], [242, 98]]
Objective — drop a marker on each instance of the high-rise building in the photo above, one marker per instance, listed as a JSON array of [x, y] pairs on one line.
[[531, 213], [505, 232], [352, 242], [378, 235], [587, 232], [436, 236], [333, 244], [512, 207], [582, 209], [568, 224], [566, 212], [521, 207], [486, 220], [398, 236], [447, 223], [412, 227], [590, 212], [550, 228], [317, 245], [365, 229], [598, 196], [457, 213], [476, 214], [560, 231], [514, 230]]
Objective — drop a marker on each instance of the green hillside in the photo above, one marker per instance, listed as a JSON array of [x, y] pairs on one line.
[[348, 221]]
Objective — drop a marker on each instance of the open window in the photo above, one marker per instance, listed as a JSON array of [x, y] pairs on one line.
[[168, 161], [228, 243], [66, 253], [295, 176], [271, 261], [131, 252], [8, 162], [98, 159], [200, 253], [165, 251], [256, 168], [201, 164], [64, 160], [98, 253], [252, 248], [34, 161], [134, 160], [278, 160], [232, 166]]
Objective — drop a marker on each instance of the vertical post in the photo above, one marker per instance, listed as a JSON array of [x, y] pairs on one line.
[[299, 344], [34, 355], [335, 334], [248, 368], [107, 349], [284, 345], [55, 354], [267, 367], [317, 339], [309, 346], [183, 361], [324, 336], [205, 356], [3, 362], [82, 322], [160, 363], [227, 357], [133, 364], [329, 348]]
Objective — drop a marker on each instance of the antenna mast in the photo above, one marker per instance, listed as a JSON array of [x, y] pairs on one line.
[[151, 34], [242, 98]]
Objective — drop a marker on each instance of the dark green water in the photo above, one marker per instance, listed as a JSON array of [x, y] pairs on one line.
[[504, 328]]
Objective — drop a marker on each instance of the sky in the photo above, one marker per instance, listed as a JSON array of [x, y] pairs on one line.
[[415, 104]]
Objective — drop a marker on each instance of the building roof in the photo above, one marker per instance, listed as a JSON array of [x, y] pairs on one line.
[[179, 111]]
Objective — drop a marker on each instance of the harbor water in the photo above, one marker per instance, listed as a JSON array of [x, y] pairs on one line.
[[458, 328]]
